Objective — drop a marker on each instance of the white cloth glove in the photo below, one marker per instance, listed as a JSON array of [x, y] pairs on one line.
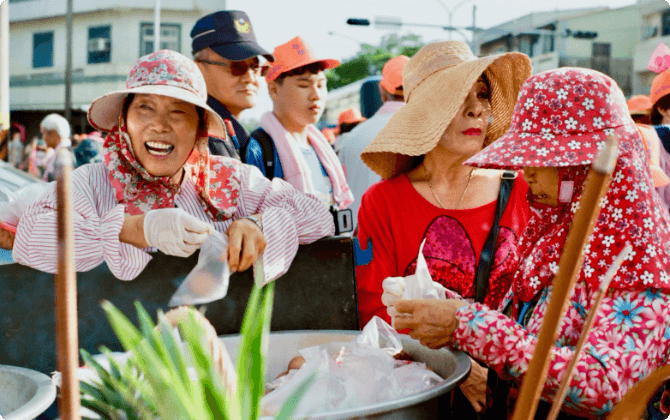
[[394, 288], [175, 232]]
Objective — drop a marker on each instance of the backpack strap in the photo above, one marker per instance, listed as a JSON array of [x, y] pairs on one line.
[[267, 151], [487, 254]]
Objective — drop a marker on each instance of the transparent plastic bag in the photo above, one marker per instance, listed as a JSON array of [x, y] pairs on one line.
[[420, 285], [353, 374], [14, 204], [208, 281]]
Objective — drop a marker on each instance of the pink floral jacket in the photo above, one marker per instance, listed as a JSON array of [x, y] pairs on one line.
[[629, 340]]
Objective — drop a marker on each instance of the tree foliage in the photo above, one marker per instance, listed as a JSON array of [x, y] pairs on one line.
[[371, 59]]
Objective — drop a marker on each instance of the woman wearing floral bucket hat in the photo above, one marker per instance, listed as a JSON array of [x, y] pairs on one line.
[[158, 187], [560, 122], [456, 103]]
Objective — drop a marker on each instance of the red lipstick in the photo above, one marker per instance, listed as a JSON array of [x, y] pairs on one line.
[[472, 132]]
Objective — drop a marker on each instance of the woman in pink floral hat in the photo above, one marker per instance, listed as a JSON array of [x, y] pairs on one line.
[[158, 187], [559, 123]]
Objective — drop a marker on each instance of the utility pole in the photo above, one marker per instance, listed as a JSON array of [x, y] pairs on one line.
[[4, 65], [68, 63], [157, 26], [475, 46]]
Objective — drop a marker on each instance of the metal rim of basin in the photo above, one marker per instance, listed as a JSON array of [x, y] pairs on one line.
[[461, 372], [43, 398]]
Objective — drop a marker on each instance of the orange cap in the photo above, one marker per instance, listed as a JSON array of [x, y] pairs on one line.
[[652, 143], [660, 86], [350, 115], [639, 105], [330, 134], [293, 54], [392, 74]]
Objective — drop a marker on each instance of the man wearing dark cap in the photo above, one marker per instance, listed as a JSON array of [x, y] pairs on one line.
[[226, 51]]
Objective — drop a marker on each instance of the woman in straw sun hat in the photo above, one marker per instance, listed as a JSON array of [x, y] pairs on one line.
[[158, 187], [456, 104], [560, 122]]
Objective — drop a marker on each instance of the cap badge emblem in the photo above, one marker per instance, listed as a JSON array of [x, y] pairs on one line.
[[242, 26], [298, 49]]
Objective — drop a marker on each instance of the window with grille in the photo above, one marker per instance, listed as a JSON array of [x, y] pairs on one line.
[[99, 44], [170, 37], [665, 22], [43, 49], [601, 57]]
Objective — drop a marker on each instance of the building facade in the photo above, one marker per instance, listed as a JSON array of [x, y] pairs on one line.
[[602, 39], [108, 36], [655, 15]]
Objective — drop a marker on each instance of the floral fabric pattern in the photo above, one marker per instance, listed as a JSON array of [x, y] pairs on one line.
[[629, 339], [167, 68], [560, 123]]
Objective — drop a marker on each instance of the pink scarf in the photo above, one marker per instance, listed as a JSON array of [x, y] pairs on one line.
[[296, 171]]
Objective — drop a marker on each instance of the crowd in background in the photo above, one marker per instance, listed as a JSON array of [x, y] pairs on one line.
[[43, 156]]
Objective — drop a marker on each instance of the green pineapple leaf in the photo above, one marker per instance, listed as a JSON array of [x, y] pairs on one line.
[[157, 382]]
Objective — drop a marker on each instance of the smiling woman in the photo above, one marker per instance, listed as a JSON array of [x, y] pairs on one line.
[[163, 131], [159, 188]]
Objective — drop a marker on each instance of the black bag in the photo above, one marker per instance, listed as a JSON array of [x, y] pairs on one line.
[[496, 399], [267, 151]]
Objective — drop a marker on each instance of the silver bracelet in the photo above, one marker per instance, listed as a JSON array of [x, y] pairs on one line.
[[255, 220]]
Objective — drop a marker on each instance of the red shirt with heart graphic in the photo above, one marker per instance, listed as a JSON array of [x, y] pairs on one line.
[[396, 218]]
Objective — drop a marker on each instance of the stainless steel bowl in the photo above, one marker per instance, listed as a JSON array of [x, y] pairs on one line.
[[453, 366], [24, 393]]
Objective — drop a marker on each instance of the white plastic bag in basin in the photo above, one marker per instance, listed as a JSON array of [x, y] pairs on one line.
[[363, 372]]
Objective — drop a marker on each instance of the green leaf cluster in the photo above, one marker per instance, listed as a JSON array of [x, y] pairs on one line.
[[371, 59], [155, 383]]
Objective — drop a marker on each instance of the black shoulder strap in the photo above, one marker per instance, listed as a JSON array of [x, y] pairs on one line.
[[267, 149], [487, 254]]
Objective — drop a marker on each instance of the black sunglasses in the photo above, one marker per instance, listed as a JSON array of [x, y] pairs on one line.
[[239, 68]]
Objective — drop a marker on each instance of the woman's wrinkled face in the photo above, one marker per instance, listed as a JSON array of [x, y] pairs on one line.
[[543, 183], [466, 133], [163, 132]]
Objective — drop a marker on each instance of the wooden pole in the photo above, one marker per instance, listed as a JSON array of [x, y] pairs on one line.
[[590, 318], [569, 268], [66, 303], [634, 403]]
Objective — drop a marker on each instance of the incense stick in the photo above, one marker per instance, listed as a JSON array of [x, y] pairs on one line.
[[590, 318], [569, 268], [66, 303]]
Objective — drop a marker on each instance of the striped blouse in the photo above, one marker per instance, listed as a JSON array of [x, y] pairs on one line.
[[289, 218]]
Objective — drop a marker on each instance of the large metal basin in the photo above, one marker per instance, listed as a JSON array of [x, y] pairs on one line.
[[453, 366], [24, 393]]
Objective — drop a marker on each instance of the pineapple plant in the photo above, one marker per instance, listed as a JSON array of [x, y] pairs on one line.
[[165, 380]]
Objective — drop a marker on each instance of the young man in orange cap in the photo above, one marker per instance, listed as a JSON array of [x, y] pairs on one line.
[[226, 51], [288, 145], [350, 145]]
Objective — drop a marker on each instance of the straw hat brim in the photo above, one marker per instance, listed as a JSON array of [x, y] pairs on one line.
[[104, 111], [418, 126]]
